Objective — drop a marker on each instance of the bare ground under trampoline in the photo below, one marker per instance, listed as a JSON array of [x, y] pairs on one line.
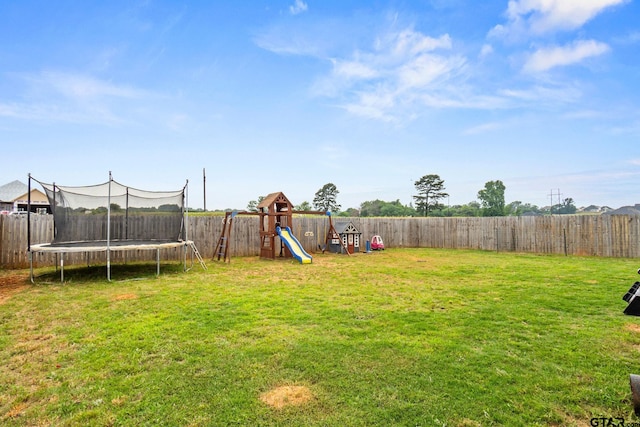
[[112, 246]]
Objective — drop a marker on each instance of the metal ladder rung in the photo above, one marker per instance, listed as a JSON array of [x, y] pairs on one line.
[[197, 254]]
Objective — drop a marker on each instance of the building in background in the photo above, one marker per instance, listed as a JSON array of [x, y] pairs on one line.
[[14, 198]]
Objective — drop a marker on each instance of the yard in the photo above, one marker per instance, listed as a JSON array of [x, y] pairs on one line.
[[401, 337]]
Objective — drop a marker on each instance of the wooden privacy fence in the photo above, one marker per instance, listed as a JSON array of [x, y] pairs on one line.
[[605, 235]]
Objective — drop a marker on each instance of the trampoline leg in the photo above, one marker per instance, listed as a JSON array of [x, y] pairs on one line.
[[157, 262], [31, 266], [62, 267], [184, 258]]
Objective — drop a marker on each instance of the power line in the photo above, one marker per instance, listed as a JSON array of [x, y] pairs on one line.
[[551, 194]]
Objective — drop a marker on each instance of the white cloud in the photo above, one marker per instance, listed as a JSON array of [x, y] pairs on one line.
[[291, 41], [377, 104], [77, 86], [634, 37], [53, 96], [353, 69], [483, 128], [631, 38], [545, 16], [543, 94], [59, 112], [456, 97], [486, 50], [8, 110], [584, 115], [629, 128], [423, 70], [550, 57], [409, 42], [298, 6], [398, 71], [405, 72]]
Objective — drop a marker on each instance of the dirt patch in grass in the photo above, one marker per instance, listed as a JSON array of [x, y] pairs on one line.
[[633, 327], [125, 297], [10, 285], [16, 411], [287, 395]]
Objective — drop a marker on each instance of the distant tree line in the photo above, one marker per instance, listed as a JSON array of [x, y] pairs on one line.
[[430, 191], [117, 209]]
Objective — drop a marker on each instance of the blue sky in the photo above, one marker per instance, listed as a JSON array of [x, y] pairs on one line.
[[289, 95]]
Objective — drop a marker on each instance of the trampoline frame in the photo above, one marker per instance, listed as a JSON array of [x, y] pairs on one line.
[[112, 246]]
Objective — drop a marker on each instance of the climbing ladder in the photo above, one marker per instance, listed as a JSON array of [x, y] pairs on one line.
[[222, 247], [197, 254]]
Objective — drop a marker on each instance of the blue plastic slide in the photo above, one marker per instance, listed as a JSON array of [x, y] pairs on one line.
[[294, 245]]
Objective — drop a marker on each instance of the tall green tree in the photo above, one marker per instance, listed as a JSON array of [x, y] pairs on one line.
[[252, 206], [566, 207], [430, 190], [492, 198], [518, 208], [350, 213], [396, 208], [471, 209], [304, 206], [326, 198], [381, 208], [371, 208]]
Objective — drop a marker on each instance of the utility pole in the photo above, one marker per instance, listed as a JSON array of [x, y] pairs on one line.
[[204, 188], [551, 194]]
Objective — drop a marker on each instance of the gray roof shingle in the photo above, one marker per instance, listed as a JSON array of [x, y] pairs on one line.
[[11, 191]]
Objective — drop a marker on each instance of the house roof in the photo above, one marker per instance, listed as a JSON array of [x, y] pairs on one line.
[[13, 190], [625, 210], [346, 228]]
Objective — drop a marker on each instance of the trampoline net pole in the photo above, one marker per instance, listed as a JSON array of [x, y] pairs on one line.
[[29, 215], [186, 210], [109, 229]]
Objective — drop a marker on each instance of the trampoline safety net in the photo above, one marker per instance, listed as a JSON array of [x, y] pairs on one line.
[[84, 214]]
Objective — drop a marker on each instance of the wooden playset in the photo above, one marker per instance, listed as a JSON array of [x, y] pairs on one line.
[[276, 219]]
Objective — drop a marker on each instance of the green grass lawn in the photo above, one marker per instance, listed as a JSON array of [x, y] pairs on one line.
[[400, 337]]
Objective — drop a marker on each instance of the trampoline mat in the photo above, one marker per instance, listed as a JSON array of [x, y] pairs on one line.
[[113, 245]]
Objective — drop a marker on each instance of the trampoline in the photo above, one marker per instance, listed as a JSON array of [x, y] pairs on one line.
[[112, 217]]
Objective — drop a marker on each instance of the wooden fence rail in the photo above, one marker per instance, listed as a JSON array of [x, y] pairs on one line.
[[605, 235]]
